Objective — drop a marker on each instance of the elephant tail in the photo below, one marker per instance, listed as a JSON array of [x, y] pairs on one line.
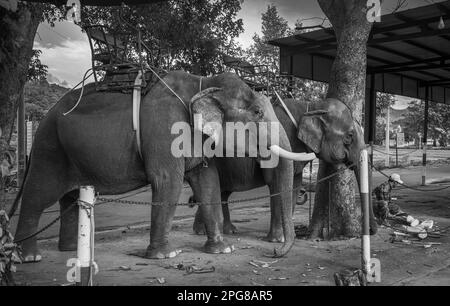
[[19, 194]]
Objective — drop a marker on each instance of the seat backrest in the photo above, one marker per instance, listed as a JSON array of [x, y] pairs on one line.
[[98, 34]]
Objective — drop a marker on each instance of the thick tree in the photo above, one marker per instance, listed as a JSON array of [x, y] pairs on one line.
[[335, 211], [16, 50]]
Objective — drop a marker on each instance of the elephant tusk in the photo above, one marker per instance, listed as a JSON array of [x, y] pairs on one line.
[[292, 156]]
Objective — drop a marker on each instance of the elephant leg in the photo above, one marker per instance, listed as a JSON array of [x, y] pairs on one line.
[[68, 230], [296, 192], [276, 230], [276, 233], [228, 227], [199, 225], [38, 195], [206, 187], [166, 189]]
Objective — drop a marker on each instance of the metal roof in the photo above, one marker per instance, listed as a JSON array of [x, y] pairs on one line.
[[406, 53]]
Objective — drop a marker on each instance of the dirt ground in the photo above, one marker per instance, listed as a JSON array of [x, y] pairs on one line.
[[118, 247]]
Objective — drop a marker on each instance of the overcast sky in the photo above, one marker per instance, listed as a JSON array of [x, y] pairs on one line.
[[65, 49]]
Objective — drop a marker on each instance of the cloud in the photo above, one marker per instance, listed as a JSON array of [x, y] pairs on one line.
[[67, 61]]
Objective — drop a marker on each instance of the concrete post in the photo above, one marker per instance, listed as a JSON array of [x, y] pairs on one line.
[[85, 249]]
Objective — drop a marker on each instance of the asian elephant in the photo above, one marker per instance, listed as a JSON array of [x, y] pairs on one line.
[[328, 130], [96, 145]]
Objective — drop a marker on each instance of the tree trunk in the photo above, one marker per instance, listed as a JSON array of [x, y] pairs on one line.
[[335, 211], [16, 45]]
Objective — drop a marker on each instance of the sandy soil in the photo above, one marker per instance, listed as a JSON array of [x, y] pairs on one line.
[[118, 248]]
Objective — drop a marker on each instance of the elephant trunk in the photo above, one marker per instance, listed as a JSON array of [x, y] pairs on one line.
[[283, 184]]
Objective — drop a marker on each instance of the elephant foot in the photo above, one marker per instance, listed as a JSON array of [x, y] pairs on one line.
[[30, 254], [161, 252], [29, 251], [218, 247], [229, 228], [32, 258], [199, 228], [276, 236]]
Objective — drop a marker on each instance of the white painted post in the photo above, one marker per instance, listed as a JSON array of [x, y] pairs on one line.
[[85, 233], [370, 267], [388, 119]]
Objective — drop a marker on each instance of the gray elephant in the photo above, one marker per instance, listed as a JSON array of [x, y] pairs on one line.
[[96, 145], [328, 130]]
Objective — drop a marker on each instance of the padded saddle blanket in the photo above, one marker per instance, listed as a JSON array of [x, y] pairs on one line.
[[123, 80]]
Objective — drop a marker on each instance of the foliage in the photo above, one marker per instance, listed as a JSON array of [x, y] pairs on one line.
[[384, 100], [9, 252], [39, 97], [36, 69], [183, 34], [273, 26], [438, 121]]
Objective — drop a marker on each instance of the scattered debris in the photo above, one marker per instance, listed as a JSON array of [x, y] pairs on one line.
[[161, 280], [257, 284], [262, 264], [192, 269], [246, 247], [427, 224], [278, 278], [141, 264]]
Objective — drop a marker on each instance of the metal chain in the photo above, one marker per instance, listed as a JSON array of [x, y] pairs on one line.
[[120, 200], [130, 202], [392, 154]]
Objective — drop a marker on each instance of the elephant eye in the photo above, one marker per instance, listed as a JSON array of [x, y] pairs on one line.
[[259, 112], [348, 138]]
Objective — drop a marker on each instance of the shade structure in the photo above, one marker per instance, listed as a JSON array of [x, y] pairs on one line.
[[408, 52]]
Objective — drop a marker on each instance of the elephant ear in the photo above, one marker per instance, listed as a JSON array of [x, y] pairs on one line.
[[310, 132], [207, 112]]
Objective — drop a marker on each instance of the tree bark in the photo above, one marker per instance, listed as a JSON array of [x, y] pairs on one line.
[[335, 212], [16, 45]]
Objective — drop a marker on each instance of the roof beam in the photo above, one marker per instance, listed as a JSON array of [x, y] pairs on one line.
[[381, 30], [436, 82], [405, 55], [413, 68], [440, 59]]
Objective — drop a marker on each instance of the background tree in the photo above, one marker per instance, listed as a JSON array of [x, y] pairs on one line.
[[273, 26], [16, 52], [383, 101], [183, 34], [438, 122], [347, 83]]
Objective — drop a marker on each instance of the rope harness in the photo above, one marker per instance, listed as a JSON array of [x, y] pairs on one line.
[[286, 110]]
